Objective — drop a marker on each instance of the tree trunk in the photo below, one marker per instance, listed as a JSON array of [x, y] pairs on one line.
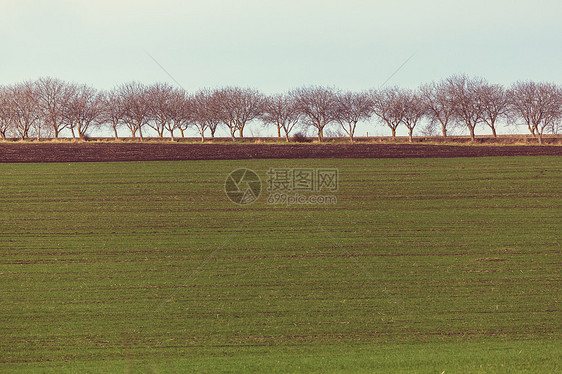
[[241, 131], [278, 131], [116, 136], [393, 129], [472, 136], [444, 130], [140, 133], [182, 133], [352, 133], [539, 135], [72, 131], [172, 134], [202, 136], [411, 135], [56, 132], [494, 132], [320, 134]]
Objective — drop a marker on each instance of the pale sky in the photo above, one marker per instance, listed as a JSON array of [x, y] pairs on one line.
[[275, 46], [278, 45]]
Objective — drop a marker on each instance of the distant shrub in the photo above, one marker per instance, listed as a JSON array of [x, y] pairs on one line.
[[299, 137], [86, 138]]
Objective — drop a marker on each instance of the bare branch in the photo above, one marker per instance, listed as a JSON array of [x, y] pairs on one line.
[[282, 112], [352, 108], [386, 105], [318, 107], [469, 107], [538, 105], [53, 96], [413, 109], [136, 109], [238, 106], [440, 104]]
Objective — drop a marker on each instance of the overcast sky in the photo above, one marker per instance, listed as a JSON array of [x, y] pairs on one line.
[[278, 45]]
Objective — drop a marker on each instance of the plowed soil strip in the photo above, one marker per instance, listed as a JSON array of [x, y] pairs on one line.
[[103, 152]]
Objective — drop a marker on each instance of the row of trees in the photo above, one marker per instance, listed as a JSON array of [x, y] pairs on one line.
[[48, 106]]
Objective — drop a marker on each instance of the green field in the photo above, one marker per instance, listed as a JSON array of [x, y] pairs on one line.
[[423, 265]]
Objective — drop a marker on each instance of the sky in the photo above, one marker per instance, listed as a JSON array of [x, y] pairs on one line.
[[276, 46]]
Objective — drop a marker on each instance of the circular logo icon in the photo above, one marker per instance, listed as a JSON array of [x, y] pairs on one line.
[[242, 186]]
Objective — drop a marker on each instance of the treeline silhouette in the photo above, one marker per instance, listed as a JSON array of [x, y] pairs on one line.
[[46, 107]]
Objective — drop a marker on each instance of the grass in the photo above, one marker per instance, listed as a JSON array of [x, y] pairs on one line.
[[423, 265]]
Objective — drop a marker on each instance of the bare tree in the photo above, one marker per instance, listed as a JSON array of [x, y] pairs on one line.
[[206, 112], [113, 110], [439, 103], [181, 112], [70, 108], [238, 107], [318, 107], [160, 97], [84, 110], [7, 113], [386, 105], [136, 109], [53, 96], [353, 107], [469, 108], [524, 104], [493, 98], [27, 114], [413, 109], [554, 120], [49, 105], [537, 104], [281, 111], [202, 114]]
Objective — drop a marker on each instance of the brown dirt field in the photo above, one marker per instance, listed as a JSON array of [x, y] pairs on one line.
[[104, 151]]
